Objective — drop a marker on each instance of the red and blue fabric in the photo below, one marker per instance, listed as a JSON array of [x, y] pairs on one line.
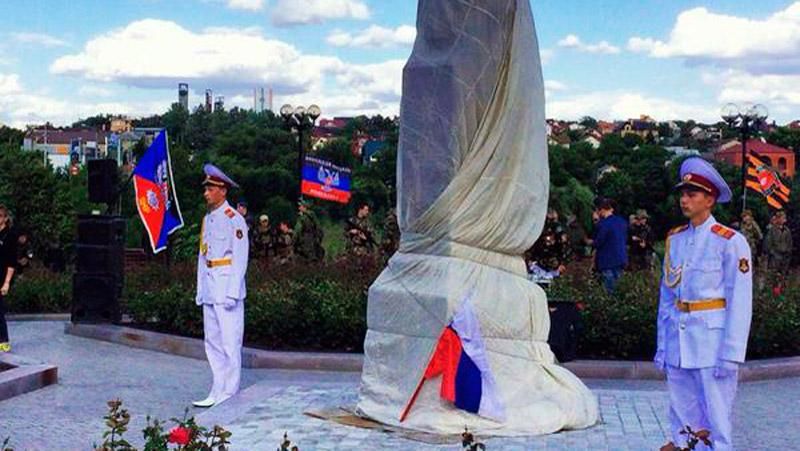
[[325, 180], [155, 193], [459, 358]]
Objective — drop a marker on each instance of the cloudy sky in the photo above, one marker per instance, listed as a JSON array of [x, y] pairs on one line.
[[613, 59]]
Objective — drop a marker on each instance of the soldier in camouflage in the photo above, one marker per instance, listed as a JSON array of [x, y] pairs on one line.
[[284, 244], [752, 233], [391, 234], [308, 234], [640, 240], [552, 250], [359, 236], [778, 244]]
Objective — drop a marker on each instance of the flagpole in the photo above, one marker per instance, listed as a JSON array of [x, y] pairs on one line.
[[744, 171]]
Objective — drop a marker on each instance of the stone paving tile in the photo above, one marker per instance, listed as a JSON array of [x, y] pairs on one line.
[[68, 416]]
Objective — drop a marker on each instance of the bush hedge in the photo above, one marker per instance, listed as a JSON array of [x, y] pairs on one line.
[[323, 307]]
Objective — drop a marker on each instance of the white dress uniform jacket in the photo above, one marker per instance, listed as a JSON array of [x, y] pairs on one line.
[[705, 263], [222, 263]]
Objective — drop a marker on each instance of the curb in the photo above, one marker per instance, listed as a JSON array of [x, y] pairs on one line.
[[194, 348], [22, 375], [38, 317], [754, 370]]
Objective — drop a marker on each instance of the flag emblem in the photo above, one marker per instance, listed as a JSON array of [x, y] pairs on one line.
[[155, 193], [761, 178]]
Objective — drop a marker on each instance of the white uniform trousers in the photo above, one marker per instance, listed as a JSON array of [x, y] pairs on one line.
[[701, 401], [224, 329]]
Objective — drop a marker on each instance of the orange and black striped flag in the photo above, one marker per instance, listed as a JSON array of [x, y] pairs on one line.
[[763, 179]]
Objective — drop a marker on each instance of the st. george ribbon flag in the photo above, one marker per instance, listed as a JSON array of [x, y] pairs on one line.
[[155, 193]]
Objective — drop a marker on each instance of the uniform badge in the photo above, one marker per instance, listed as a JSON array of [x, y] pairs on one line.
[[239, 233], [744, 265]]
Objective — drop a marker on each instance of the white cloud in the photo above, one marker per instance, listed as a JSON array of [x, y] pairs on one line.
[[94, 91], [612, 105], [546, 55], [42, 39], [572, 41], [778, 91], [9, 84], [374, 36], [303, 12], [160, 54], [20, 107], [247, 5], [554, 85], [770, 45]]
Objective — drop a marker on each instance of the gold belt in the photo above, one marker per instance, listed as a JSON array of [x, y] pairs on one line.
[[702, 304], [219, 262]]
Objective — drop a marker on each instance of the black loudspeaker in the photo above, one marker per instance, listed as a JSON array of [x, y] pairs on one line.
[[99, 260], [565, 322], [103, 181], [99, 230], [95, 299]]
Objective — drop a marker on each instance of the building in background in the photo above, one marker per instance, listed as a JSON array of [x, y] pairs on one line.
[[781, 159]]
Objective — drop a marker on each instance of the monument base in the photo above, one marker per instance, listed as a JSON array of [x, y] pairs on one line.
[[409, 305]]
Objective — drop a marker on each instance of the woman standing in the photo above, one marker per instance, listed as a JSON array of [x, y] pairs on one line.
[[8, 256]]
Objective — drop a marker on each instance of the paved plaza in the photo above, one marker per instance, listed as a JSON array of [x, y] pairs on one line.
[[68, 416]]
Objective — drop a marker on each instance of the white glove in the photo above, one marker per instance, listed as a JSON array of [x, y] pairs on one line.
[[229, 303], [658, 361]]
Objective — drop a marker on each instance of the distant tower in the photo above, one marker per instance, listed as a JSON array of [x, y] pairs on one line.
[[209, 99], [261, 101], [183, 95], [255, 102], [219, 103], [270, 99]]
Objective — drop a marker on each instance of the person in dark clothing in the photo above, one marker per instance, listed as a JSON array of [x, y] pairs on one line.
[[8, 261], [610, 240], [641, 240]]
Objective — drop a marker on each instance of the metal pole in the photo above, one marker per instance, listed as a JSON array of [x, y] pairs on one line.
[[744, 164], [300, 156]]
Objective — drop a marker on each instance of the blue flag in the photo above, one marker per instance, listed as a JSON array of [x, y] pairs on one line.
[[155, 193]]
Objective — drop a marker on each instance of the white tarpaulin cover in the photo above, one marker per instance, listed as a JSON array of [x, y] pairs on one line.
[[472, 193]]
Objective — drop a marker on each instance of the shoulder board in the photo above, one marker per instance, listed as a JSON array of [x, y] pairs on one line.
[[230, 213], [678, 229], [723, 231]]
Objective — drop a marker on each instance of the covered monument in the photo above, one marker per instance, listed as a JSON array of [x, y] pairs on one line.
[[473, 185]]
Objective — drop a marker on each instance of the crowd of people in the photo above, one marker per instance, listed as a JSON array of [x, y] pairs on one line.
[[284, 243], [617, 245]]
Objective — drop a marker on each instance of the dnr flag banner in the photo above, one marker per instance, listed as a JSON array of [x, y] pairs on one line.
[[459, 358], [325, 180], [763, 179], [155, 193]]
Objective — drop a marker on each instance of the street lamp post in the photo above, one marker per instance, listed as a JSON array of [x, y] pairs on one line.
[[300, 118], [747, 120]]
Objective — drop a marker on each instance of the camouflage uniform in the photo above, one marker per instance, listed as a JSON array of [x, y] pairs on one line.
[[362, 242], [552, 249], [284, 247], [640, 240], [308, 237], [778, 246], [263, 242], [752, 233], [391, 234]]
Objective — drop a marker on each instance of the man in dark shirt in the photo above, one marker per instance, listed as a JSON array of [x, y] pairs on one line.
[[610, 239], [8, 259]]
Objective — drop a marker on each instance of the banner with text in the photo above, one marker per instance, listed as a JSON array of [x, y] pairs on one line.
[[325, 180]]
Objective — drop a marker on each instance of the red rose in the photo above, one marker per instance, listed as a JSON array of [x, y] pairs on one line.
[[580, 306], [777, 290], [180, 435]]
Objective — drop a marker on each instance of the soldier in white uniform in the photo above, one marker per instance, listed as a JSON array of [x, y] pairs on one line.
[[221, 268], [704, 311]]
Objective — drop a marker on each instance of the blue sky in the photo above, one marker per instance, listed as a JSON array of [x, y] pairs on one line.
[[612, 59]]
